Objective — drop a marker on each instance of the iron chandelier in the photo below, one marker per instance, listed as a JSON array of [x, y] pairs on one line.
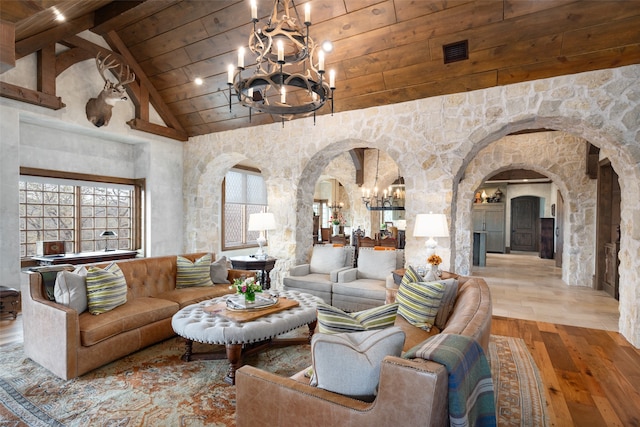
[[289, 70]]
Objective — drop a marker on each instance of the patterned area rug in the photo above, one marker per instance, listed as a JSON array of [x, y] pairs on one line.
[[153, 387]]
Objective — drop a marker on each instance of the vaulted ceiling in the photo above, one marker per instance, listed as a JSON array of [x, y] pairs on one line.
[[385, 51]]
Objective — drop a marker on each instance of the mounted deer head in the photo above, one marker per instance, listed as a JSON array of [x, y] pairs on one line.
[[99, 108]]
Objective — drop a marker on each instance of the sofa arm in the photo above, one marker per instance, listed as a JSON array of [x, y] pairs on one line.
[[51, 330], [300, 270], [348, 275], [409, 392], [333, 275]]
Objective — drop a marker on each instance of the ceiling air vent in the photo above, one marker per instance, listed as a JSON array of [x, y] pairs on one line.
[[458, 51]]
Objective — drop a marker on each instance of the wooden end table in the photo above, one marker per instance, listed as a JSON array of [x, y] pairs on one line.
[[264, 266]]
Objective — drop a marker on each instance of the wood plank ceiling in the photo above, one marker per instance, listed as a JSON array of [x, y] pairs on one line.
[[386, 51]]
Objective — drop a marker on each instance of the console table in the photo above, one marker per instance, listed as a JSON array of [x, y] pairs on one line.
[[253, 263], [85, 257]]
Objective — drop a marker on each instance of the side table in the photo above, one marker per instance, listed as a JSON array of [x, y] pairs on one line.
[[250, 262]]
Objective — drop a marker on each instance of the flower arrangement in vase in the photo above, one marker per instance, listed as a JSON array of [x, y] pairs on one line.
[[247, 287], [434, 260]]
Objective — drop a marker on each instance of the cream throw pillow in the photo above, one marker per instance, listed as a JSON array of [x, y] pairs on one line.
[[71, 289]]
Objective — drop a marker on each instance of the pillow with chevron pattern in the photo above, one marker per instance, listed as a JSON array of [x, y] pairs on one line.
[[106, 289], [332, 320], [190, 274]]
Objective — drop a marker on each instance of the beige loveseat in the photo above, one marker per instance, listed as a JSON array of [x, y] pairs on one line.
[[70, 344], [410, 391]]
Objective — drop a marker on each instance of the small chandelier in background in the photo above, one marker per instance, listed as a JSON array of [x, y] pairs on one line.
[[290, 67], [392, 199]]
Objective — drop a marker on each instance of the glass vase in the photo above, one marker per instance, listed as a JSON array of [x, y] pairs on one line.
[[250, 298]]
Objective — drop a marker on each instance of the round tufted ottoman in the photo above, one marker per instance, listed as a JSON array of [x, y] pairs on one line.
[[195, 323]]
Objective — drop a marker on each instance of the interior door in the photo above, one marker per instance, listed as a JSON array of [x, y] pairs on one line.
[[559, 229], [525, 212]]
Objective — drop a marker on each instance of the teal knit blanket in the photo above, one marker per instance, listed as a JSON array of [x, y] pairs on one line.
[[471, 396]]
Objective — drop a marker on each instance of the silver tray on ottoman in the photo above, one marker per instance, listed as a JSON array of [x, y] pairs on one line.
[[238, 303]]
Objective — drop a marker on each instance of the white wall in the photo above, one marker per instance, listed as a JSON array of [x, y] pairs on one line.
[[64, 140]]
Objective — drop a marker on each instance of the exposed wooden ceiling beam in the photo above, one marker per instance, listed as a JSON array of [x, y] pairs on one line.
[[156, 100], [35, 43], [30, 96], [7, 46]]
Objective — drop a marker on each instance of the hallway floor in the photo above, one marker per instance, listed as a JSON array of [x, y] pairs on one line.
[[523, 286]]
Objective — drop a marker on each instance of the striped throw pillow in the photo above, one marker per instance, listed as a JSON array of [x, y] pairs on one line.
[[411, 276], [192, 274], [332, 320], [419, 302], [106, 289]]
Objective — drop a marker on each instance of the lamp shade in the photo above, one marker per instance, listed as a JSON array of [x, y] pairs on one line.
[[431, 225], [262, 222], [108, 233]]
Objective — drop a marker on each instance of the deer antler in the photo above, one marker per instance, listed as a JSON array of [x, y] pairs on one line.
[[103, 65], [130, 76]]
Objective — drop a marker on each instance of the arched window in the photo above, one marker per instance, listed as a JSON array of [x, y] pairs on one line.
[[244, 192]]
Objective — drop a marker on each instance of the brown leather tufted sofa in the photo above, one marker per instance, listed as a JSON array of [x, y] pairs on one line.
[[410, 392], [70, 344]]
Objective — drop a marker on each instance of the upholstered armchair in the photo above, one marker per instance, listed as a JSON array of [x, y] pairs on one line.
[[365, 286], [317, 277]]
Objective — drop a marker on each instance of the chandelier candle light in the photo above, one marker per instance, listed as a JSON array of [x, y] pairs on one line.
[[290, 67], [391, 198]]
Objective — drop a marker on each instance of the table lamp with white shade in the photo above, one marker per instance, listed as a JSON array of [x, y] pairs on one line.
[[431, 225], [261, 222]]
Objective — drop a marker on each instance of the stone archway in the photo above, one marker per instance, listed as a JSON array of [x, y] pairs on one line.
[[203, 200], [331, 156], [554, 154]]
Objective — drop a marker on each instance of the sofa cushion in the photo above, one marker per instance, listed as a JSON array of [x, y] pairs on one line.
[[71, 289], [106, 289], [349, 363], [314, 281], [196, 273], [332, 320], [447, 303], [419, 302], [365, 288], [187, 296], [219, 270], [374, 264], [132, 315], [326, 258]]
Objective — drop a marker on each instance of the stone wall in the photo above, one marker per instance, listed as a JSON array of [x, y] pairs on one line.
[[436, 142]]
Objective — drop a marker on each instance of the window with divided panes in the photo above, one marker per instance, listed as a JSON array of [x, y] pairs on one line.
[[244, 193], [76, 212]]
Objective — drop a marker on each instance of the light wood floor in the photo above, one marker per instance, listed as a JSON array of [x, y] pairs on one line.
[[590, 372]]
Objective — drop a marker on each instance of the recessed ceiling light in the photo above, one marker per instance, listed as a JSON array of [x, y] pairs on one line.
[[327, 46], [198, 81]]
